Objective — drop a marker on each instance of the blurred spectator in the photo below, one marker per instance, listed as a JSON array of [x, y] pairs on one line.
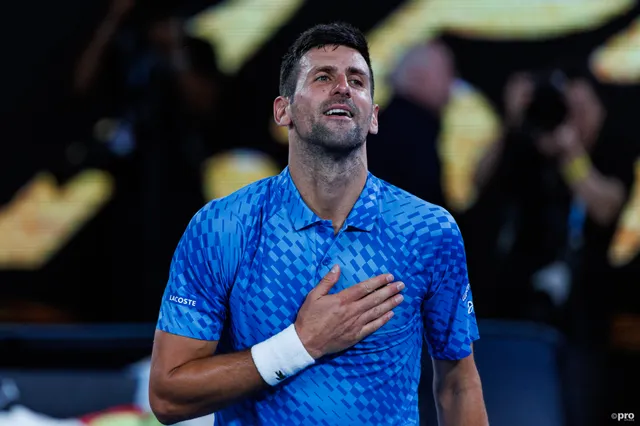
[[557, 182], [147, 93], [564, 171], [404, 152], [146, 47]]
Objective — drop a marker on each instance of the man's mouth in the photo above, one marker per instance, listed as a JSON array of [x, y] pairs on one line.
[[339, 112]]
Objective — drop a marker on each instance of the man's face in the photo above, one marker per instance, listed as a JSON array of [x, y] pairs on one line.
[[332, 105]]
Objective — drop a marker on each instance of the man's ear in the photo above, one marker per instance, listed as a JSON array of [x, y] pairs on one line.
[[373, 125], [281, 111]]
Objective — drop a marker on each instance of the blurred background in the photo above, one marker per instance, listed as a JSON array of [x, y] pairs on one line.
[[121, 118]]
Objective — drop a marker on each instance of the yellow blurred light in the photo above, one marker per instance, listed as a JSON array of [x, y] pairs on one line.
[[238, 28], [412, 22], [533, 19], [470, 126], [417, 21], [618, 60], [227, 172], [43, 216], [625, 244]]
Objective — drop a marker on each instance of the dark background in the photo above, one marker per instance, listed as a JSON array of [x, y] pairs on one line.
[[38, 122], [42, 43]]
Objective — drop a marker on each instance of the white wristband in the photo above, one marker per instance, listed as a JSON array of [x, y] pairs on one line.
[[281, 356]]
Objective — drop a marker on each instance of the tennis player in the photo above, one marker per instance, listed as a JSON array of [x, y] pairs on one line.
[[305, 298]]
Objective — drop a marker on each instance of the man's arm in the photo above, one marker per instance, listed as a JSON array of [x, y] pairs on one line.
[[91, 59], [451, 329], [197, 86], [186, 381], [603, 196], [517, 95], [198, 90], [458, 393], [488, 164]]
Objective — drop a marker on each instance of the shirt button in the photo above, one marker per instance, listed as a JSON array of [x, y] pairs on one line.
[[326, 261]]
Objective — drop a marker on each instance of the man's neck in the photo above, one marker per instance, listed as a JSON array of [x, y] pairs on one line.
[[329, 185]]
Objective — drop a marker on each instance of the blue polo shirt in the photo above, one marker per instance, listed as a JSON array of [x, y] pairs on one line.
[[247, 261]]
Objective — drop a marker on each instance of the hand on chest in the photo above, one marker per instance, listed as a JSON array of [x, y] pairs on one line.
[[285, 267]]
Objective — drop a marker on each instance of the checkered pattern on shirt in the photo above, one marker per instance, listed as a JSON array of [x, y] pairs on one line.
[[248, 261]]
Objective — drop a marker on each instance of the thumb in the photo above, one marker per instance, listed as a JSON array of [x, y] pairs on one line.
[[328, 281]]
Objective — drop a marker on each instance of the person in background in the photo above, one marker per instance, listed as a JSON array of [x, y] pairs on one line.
[[562, 173], [404, 152], [158, 90]]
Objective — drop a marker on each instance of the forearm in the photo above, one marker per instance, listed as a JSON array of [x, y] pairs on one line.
[[488, 164], [461, 406], [203, 386], [197, 91], [603, 196], [90, 60]]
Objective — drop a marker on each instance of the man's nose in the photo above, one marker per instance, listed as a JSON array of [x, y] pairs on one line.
[[342, 86]]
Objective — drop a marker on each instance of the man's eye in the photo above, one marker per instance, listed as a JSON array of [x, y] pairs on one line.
[[357, 82], [322, 78]]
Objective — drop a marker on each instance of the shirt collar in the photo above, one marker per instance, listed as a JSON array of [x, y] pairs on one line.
[[363, 216]]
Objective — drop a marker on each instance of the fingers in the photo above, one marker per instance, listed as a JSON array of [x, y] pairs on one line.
[[381, 309], [374, 325], [327, 282], [378, 297], [365, 288]]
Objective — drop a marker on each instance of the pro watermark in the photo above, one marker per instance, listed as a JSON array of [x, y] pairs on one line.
[[623, 417]]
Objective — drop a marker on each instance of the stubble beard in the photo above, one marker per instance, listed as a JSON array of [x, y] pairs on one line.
[[324, 141]]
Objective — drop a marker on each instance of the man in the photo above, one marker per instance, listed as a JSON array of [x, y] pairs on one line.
[[405, 151], [344, 351]]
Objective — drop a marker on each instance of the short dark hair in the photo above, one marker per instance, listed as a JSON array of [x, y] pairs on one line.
[[334, 34]]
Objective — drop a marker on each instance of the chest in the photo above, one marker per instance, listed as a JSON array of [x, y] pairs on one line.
[[283, 265]]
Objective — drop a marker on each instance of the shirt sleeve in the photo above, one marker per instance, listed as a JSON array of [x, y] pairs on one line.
[[448, 312], [201, 275]]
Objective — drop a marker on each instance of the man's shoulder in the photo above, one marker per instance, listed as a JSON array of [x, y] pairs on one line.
[[399, 203], [241, 207], [414, 215]]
